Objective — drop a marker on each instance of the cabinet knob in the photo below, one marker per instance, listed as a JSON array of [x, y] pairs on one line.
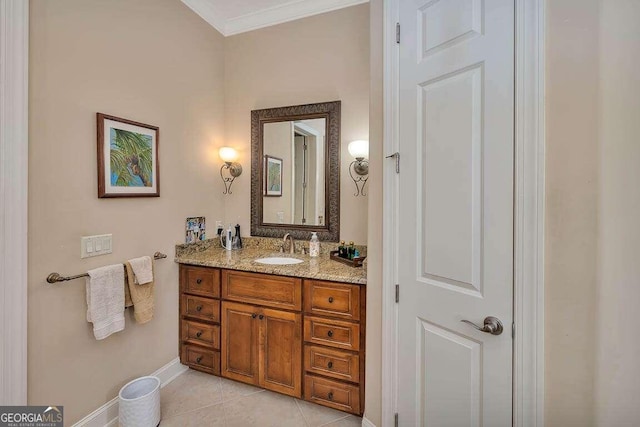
[[330, 334], [330, 395], [261, 317], [198, 334], [198, 281], [199, 308], [199, 359], [330, 299], [253, 316], [330, 365]]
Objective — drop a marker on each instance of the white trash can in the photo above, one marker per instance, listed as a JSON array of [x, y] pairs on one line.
[[139, 404]]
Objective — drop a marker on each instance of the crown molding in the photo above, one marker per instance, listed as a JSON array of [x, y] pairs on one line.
[[284, 13], [266, 17], [206, 11]]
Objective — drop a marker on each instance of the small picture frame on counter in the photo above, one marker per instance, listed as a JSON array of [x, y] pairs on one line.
[[195, 229]]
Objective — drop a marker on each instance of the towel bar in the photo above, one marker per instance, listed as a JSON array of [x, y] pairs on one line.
[[56, 277]]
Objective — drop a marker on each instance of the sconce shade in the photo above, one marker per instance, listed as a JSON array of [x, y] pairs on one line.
[[359, 149], [228, 154]]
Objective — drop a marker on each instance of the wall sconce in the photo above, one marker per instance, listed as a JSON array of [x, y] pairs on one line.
[[233, 169], [359, 168]]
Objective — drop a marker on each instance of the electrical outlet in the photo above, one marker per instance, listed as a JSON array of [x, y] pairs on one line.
[[219, 226], [95, 245]]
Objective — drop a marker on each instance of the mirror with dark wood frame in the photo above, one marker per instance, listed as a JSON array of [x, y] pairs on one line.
[[295, 171]]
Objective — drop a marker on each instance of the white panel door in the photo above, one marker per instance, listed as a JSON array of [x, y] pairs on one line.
[[456, 212]]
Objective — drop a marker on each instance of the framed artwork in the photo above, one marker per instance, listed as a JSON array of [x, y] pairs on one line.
[[127, 158], [273, 176], [195, 229]]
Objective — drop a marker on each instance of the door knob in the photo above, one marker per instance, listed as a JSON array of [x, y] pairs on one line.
[[492, 325]]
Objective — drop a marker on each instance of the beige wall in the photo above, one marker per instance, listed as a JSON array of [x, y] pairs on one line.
[[571, 211], [617, 381], [593, 206], [153, 61], [316, 59]]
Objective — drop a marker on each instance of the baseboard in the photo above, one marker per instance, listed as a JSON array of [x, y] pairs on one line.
[[367, 423], [107, 414]]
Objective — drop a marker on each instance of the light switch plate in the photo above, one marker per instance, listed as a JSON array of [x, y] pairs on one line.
[[91, 246]]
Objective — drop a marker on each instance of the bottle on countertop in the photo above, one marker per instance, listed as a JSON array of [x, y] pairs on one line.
[[229, 238], [314, 245], [342, 250], [238, 239], [351, 250]]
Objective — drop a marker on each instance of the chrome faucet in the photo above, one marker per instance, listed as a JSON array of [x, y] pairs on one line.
[[292, 244]]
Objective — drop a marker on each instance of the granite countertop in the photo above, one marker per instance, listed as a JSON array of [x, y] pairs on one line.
[[321, 268]]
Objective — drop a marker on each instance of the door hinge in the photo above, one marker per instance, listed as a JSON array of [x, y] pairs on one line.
[[398, 32], [395, 420], [513, 330], [396, 156], [397, 293]]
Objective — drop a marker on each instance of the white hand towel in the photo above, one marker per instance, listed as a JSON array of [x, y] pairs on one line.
[[105, 300], [143, 270]]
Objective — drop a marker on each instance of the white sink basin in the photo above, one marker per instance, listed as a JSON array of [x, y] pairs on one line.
[[278, 261]]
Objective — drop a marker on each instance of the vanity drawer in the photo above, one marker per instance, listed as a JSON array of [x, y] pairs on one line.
[[200, 281], [334, 333], [338, 364], [262, 289], [201, 334], [202, 359], [200, 308], [345, 397], [332, 299]]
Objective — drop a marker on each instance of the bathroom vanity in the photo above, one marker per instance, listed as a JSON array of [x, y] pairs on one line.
[[294, 329]]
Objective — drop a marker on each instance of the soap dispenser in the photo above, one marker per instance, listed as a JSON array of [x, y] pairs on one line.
[[314, 245]]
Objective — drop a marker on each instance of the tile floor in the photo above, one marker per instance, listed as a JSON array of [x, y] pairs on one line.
[[198, 399]]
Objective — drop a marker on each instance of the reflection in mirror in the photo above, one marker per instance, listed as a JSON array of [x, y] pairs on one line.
[[295, 171], [294, 189]]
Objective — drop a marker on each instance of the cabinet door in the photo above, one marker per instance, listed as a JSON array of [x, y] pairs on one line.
[[240, 339], [281, 347]]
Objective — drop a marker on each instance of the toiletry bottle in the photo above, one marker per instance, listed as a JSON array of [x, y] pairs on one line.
[[356, 254], [351, 250], [314, 245], [229, 239], [238, 238], [342, 250]]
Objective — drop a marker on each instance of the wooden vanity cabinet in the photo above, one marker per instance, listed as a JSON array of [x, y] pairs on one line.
[[299, 337], [200, 318], [262, 347], [241, 342], [334, 344], [262, 330]]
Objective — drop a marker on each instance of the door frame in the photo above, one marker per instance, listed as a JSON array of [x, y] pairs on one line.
[[14, 84], [529, 198]]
